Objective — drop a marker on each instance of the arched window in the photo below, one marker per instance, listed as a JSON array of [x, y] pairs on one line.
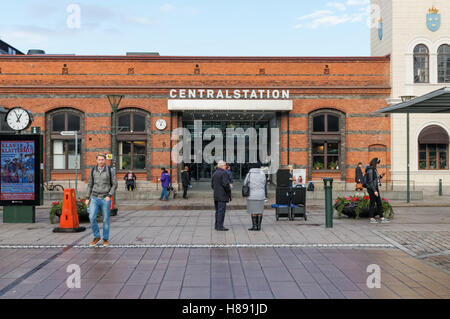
[[433, 148], [63, 147], [421, 64], [132, 139], [326, 140], [444, 64]]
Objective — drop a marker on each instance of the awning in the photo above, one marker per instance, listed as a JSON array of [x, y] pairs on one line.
[[231, 105], [435, 102]]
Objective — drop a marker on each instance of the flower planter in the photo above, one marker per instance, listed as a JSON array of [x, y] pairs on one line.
[[348, 205]]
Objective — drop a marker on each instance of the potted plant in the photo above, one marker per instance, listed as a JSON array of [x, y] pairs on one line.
[[83, 214], [358, 206], [318, 165], [332, 165]]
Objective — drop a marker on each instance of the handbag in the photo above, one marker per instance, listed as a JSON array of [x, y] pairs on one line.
[[246, 188], [359, 186]]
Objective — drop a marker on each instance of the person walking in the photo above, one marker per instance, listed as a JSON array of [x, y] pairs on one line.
[[165, 183], [185, 180], [220, 183], [130, 180], [373, 183], [359, 177], [256, 181], [101, 187]]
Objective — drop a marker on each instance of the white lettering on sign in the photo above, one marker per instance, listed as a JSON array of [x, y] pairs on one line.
[[228, 94]]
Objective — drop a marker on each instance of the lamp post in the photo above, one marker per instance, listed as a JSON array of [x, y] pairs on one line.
[[407, 98], [114, 101], [74, 133]]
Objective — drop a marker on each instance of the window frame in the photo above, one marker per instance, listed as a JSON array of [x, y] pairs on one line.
[[132, 136], [447, 63], [325, 155], [55, 135], [427, 160], [427, 63], [326, 132]]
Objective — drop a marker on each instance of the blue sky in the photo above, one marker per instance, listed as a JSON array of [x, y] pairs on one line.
[[189, 28]]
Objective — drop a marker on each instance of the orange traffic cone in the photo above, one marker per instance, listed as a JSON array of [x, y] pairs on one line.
[[113, 210], [68, 222]]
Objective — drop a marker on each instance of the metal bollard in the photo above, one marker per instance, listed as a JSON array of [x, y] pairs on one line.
[[328, 202], [440, 187]]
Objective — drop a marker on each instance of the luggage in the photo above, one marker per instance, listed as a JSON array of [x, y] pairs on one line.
[[283, 195], [283, 178], [298, 196], [282, 211], [297, 211]]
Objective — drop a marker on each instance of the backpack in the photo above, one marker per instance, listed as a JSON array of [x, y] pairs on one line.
[[110, 175], [311, 187], [365, 179]]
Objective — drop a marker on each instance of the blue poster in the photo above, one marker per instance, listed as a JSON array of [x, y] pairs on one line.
[[17, 168]]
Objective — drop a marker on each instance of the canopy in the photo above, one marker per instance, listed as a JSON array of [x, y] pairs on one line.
[[435, 102]]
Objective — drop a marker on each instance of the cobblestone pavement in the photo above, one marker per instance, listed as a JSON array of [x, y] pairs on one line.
[[412, 252], [191, 273]]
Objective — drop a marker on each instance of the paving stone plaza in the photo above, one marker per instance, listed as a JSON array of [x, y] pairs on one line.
[[175, 253]]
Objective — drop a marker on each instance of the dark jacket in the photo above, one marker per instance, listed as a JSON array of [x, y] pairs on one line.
[[230, 176], [373, 178], [358, 175], [129, 181], [185, 178], [220, 183]]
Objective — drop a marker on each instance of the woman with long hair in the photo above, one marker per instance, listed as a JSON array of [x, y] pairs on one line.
[[373, 182]]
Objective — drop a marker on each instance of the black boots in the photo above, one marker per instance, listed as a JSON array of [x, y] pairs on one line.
[[258, 221], [254, 222]]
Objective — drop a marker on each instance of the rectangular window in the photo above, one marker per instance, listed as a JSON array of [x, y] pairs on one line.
[[433, 156], [64, 155], [325, 155], [59, 161], [132, 155]]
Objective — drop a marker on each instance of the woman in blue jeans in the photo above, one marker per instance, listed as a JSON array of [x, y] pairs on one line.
[[165, 183]]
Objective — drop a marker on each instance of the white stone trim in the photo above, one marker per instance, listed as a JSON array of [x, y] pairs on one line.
[[232, 105]]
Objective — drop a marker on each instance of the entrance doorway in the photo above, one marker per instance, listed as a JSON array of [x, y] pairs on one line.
[[222, 120]]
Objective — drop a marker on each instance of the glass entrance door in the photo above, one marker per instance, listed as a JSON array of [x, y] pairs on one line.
[[203, 171]]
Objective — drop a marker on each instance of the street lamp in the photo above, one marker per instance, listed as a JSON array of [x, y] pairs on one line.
[[407, 98], [114, 101], [74, 133]]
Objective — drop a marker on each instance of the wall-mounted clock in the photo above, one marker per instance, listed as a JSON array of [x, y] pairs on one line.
[[18, 119], [161, 124]]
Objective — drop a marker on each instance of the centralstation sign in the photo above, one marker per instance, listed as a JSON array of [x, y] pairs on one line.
[[253, 94]]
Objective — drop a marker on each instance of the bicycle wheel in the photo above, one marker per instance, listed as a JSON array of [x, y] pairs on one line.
[[58, 188]]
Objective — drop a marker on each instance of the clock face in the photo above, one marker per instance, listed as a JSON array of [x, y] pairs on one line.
[[18, 119], [160, 124]]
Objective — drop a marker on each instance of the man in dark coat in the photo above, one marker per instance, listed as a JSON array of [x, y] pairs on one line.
[[359, 177], [220, 183], [185, 180]]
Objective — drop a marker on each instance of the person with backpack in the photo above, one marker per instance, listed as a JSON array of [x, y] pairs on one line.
[[165, 183], [101, 187], [372, 181]]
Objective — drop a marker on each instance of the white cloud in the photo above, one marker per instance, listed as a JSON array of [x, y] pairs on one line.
[[329, 18], [167, 8], [337, 5], [357, 2]]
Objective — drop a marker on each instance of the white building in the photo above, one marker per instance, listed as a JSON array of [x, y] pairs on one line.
[[416, 33]]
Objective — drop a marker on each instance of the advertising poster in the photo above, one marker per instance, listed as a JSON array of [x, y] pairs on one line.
[[17, 159], [299, 177]]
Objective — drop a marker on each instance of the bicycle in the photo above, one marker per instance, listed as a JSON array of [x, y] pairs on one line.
[[49, 186]]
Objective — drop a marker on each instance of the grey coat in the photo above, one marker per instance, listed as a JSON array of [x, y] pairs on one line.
[[101, 185], [257, 181]]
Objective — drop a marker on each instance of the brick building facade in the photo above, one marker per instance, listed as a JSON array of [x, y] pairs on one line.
[[332, 102]]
